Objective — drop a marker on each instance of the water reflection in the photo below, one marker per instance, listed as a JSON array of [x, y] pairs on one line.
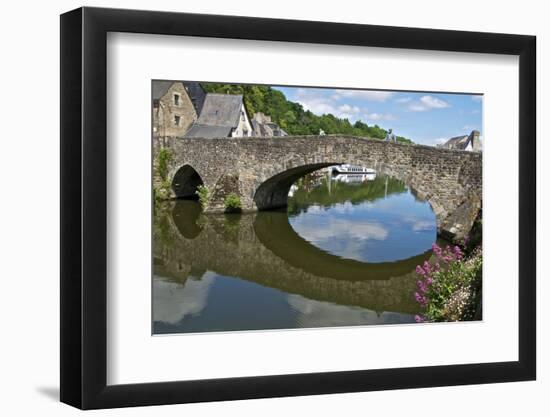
[[378, 221], [317, 265]]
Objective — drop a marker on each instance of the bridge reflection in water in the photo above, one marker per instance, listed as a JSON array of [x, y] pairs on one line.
[[254, 271]]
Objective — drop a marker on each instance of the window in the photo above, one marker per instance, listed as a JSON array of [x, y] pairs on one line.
[[242, 116], [177, 99], [177, 120]]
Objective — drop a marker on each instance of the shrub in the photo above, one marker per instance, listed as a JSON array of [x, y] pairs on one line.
[[163, 158], [162, 192], [232, 202], [204, 196], [448, 289]]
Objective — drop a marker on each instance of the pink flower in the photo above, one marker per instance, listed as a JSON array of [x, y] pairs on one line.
[[421, 286], [420, 299], [436, 249], [457, 252], [418, 318], [427, 267]]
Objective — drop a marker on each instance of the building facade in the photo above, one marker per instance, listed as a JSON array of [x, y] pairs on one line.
[[471, 142], [264, 127], [176, 106]]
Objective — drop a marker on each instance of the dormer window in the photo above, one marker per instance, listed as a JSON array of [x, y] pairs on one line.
[[177, 99]]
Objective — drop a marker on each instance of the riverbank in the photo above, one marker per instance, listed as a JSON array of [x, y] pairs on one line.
[[450, 287]]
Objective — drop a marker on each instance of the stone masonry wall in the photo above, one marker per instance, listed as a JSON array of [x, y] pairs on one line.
[[450, 180]]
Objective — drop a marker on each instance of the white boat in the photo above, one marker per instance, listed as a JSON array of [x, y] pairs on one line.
[[292, 190], [349, 169], [352, 178]]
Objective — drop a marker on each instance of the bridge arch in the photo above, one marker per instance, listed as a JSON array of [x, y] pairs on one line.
[[263, 169], [185, 183], [273, 193]]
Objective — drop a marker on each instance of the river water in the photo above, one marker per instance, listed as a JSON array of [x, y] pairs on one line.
[[343, 253]]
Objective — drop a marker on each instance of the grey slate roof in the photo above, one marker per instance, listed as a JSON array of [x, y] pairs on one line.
[[221, 110], [205, 131], [196, 94], [462, 142], [160, 88], [458, 142]]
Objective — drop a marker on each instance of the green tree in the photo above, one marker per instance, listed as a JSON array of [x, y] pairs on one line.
[[291, 116]]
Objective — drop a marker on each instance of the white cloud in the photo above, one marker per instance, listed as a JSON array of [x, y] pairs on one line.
[[477, 98], [433, 102], [346, 111], [379, 116], [320, 104], [314, 102], [313, 313], [310, 230], [432, 141], [428, 103], [417, 107], [173, 301], [364, 95], [403, 100]]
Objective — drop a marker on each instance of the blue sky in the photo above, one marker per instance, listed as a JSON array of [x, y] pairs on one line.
[[428, 118]]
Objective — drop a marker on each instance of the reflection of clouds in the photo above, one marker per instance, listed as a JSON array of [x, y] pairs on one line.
[[313, 313], [173, 301], [312, 230], [388, 229], [347, 207], [419, 223], [423, 225]]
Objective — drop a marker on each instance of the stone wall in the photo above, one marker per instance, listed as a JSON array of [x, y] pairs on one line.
[[263, 169], [166, 110]]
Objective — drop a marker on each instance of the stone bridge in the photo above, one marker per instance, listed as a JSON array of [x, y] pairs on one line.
[[261, 170]]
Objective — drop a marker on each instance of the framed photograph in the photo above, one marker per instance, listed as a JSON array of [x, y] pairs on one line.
[[257, 208]]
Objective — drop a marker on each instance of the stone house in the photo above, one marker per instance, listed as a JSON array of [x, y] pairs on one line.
[[222, 115], [470, 142], [176, 105], [263, 126]]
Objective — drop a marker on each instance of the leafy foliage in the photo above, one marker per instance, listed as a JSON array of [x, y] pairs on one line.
[[232, 202], [204, 196], [450, 288], [291, 116], [164, 157]]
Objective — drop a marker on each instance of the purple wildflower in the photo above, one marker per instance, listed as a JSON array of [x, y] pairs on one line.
[[421, 286], [427, 267], [420, 299], [436, 249], [418, 318], [457, 252]]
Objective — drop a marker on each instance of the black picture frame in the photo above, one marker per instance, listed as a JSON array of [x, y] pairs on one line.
[[84, 207]]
